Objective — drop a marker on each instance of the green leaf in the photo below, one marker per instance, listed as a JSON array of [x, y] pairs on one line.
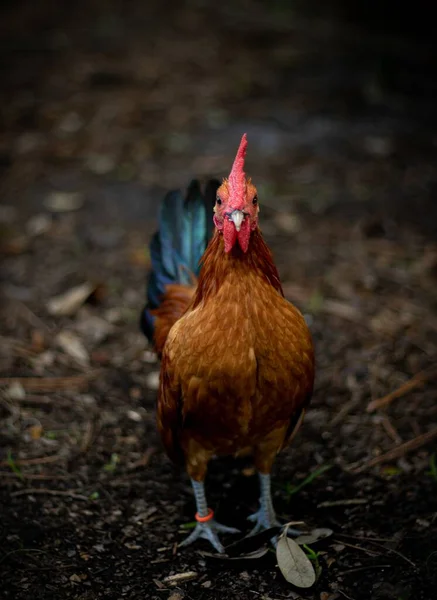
[[293, 489]]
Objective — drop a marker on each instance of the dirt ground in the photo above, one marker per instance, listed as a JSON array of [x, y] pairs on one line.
[[105, 106]]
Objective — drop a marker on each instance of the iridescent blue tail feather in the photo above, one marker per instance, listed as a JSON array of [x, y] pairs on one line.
[[185, 227]]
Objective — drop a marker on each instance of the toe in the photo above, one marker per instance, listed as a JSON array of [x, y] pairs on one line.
[[212, 537], [225, 529]]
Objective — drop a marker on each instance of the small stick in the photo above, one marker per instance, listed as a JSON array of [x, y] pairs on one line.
[[391, 430], [399, 451], [406, 387], [50, 384], [144, 460], [388, 549], [42, 460], [87, 437], [35, 476], [29, 491], [370, 567], [347, 502], [369, 552]]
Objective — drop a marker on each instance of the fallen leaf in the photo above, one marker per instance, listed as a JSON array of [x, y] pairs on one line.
[[133, 415], [16, 391], [315, 535], [294, 564], [69, 302], [64, 201], [152, 380], [35, 431], [180, 577], [72, 346], [101, 164], [39, 224], [38, 341], [95, 329]]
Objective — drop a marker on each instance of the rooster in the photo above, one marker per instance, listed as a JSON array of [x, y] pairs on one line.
[[237, 360]]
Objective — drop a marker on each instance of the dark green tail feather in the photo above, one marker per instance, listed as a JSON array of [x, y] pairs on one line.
[[185, 226]]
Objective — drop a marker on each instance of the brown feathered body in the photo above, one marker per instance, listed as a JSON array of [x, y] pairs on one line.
[[174, 303], [238, 366]]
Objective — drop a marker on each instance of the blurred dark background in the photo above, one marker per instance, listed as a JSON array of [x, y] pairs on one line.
[[131, 97], [104, 105]]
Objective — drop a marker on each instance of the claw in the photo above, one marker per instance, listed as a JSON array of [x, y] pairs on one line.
[[208, 531], [265, 517]]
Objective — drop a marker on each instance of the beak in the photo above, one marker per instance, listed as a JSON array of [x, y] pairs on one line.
[[237, 216]]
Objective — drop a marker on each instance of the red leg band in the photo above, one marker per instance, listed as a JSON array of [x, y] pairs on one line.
[[208, 517]]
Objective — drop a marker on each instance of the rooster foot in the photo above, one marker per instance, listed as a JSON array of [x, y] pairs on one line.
[[208, 531], [264, 520], [265, 517]]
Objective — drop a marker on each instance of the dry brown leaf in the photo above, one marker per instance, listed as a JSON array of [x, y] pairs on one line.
[[69, 302], [72, 346], [315, 535], [36, 431], [294, 564], [64, 201]]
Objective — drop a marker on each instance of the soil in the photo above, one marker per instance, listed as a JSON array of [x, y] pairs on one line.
[[104, 106]]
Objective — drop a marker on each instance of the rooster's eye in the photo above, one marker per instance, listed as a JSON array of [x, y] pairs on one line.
[[255, 201], [218, 200]]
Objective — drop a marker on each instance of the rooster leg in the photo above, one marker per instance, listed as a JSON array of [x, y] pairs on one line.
[[265, 517], [206, 529]]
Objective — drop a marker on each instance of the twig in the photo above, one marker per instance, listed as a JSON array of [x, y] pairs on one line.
[[88, 437], [29, 491], [376, 542], [393, 551], [391, 430], [364, 538], [369, 552], [35, 400], [51, 384], [17, 347], [344, 411], [406, 387], [399, 451], [346, 502], [144, 460], [42, 460], [365, 569], [343, 310], [35, 476]]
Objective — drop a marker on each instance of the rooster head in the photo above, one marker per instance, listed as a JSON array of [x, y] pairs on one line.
[[236, 208]]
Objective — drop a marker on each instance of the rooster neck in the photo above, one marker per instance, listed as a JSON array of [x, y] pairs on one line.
[[219, 266]]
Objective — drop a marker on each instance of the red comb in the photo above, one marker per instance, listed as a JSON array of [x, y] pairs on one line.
[[237, 177]]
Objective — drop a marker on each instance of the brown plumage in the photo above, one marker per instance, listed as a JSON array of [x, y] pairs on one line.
[[174, 303], [238, 366]]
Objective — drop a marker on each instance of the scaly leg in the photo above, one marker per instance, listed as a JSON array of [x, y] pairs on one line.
[[265, 517], [206, 527]]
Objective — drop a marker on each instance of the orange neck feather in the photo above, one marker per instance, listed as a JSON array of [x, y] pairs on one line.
[[216, 263]]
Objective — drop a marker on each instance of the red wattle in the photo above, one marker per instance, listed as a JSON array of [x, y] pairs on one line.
[[229, 234], [243, 235]]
